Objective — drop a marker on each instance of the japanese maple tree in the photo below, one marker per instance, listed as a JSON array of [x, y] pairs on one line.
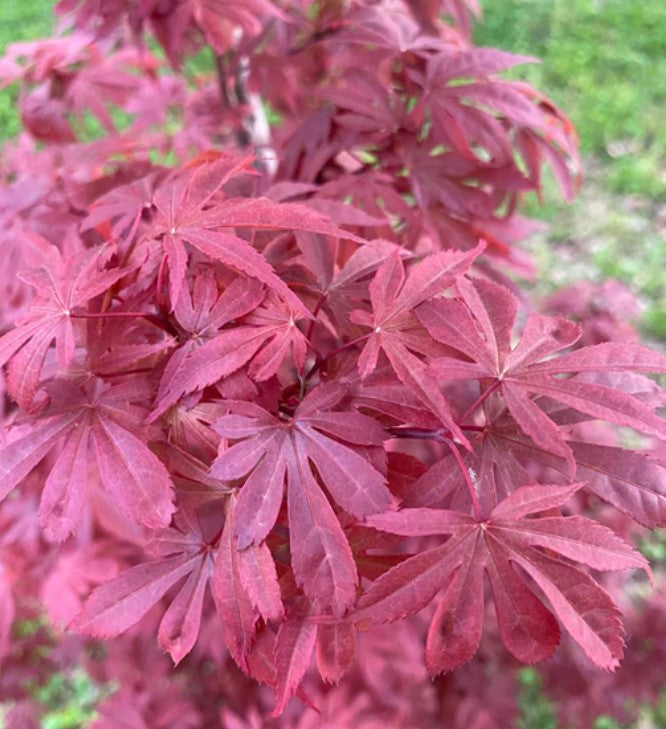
[[271, 381]]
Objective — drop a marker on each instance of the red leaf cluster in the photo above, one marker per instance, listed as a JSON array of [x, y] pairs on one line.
[[261, 402]]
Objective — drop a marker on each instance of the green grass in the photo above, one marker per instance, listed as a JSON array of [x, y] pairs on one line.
[[604, 63], [69, 700], [24, 20], [537, 711], [605, 235], [19, 20]]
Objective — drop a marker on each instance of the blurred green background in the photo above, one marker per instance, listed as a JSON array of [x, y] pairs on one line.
[[604, 62]]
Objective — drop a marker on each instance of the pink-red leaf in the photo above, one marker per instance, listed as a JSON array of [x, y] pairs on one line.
[[118, 604], [293, 652], [505, 539]]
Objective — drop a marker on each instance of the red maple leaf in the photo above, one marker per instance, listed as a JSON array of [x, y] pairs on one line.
[[274, 451], [76, 420], [395, 329], [61, 287], [510, 548], [479, 325], [185, 216], [182, 554]]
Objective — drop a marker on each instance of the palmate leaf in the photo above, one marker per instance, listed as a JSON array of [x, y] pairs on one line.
[[232, 601], [301, 635], [478, 325], [184, 216], [393, 300], [219, 20], [200, 316], [292, 653], [61, 286], [117, 605], [184, 555], [336, 650], [265, 339], [631, 481], [277, 452], [122, 206], [496, 546], [135, 479], [337, 287]]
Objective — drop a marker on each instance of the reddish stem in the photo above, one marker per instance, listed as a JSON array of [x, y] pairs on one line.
[[108, 296], [425, 434], [162, 303], [470, 486], [419, 433], [151, 318], [332, 354], [480, 400], [121, 373], [443, 436], [315, 311], [109, 314], [213, 542]]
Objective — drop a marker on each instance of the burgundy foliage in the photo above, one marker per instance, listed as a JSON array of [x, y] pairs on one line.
[[268, 389]]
